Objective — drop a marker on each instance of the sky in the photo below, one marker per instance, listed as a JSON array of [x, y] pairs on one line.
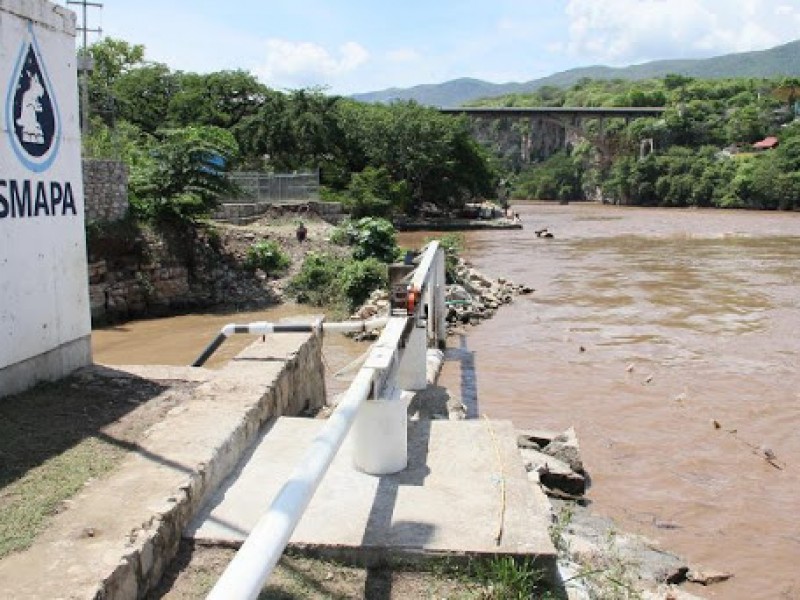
[[351, 46]]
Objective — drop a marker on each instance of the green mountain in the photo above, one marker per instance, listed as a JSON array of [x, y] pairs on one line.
[[775, 62]]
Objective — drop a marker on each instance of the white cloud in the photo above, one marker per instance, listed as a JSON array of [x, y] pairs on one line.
[[625, 31], [301, 64]]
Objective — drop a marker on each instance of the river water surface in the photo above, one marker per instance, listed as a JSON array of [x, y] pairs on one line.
[[647, 326]]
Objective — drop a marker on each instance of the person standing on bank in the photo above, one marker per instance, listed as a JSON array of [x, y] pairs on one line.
[[301, 232]]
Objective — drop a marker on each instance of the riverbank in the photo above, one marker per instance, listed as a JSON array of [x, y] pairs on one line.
[[457, 224], [595, 553], [141, 271], [646, 327]]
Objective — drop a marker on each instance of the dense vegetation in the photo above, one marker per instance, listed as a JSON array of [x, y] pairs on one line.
[[700, 153], [180, 133], [345, 283]]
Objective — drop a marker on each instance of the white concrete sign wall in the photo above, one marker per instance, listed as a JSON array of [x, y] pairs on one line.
[[45, 325]]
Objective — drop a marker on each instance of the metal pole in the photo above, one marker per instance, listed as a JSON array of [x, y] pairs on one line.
[[210, 349], [85, 80], [84, 62]]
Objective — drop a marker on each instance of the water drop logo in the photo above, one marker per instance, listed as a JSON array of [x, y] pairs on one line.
[[32, 114]]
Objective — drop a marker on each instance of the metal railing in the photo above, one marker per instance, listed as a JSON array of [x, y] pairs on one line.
[[396, 362], [274, 188]]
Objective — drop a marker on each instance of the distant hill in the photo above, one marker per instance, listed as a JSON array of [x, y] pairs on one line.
[[775, 62]]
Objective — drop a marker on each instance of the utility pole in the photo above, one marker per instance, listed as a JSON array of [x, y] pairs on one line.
[[85, 62]]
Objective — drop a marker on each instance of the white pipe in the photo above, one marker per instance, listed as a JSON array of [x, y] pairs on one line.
[[264, 327], [253, 563], [255, 560], [349, 326]]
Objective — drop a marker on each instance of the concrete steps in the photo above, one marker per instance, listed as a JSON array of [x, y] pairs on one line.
[[465, 492]]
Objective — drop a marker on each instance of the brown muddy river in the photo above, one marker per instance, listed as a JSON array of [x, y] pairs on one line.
[[180, 340], [685, 317]]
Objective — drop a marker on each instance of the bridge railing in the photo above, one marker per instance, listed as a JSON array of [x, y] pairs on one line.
[[374, 407]]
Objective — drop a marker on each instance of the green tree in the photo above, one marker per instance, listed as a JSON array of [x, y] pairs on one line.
[[112, 59], [557, 178], [221, 99], [185, 174], [372, 192], [143, 95], [124, 142], [746, 124]]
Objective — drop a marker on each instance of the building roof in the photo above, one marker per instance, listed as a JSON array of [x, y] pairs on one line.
[[767, 143]]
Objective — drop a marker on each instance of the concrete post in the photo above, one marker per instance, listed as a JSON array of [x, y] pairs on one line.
[[411, 371], [380, 434]]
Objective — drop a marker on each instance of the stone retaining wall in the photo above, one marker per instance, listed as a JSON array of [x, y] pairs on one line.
[[154, 275], [151, 290], [105, 188]]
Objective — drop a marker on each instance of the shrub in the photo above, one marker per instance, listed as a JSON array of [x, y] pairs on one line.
[[267, 256], [370, 238], [374, 238], [183, 174], [359, 278], [316, 282], [341, 284], [373, 193], [343, 234]]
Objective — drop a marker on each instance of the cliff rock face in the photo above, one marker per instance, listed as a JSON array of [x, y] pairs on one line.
[[520, 141]]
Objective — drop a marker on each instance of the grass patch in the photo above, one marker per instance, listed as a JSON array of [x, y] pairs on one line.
[[512, 578], [56, 437], [300, 577], [26, 504]]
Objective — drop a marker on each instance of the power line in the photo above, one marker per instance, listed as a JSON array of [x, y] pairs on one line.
[[84, 61]]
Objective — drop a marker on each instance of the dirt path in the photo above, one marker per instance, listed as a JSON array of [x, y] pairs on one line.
[[197, 568]]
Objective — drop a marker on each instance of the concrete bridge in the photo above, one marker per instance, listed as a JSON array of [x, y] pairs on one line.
[[561, 112], [543, 130]]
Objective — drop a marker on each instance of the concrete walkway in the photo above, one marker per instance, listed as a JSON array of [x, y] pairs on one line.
[[116, 536], [465, 492]]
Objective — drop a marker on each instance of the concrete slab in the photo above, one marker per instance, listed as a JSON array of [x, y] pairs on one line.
[[465, 491]]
